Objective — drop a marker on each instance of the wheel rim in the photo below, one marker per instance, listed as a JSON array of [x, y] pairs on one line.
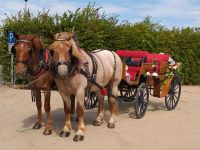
[[142, 99], [172, 99]]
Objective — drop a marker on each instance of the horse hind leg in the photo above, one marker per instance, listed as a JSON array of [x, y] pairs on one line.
[[113, 105], [100, 115], [47, 107], [37, 96]]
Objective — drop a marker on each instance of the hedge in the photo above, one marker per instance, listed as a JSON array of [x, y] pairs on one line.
[[96, 30]]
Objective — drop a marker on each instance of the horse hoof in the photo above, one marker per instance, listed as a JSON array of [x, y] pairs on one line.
[[78, 138], [37, 126], [64, 134], [111, 125], [97, 123], [47, 132]]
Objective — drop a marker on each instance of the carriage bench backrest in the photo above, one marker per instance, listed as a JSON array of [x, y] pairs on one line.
[[134, 65], [157, 59]]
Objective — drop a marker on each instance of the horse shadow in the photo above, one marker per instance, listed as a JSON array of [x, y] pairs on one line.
[[58, 115]]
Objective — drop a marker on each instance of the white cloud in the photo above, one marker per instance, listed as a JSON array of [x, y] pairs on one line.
[[170, 12], [177, 9], [113, 9], [167, 12], [12, 7]]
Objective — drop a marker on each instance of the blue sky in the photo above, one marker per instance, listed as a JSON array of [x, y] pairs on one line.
[[170, 13]]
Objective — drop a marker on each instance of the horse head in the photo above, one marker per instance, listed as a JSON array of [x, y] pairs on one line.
[[62, 50], [25, 46]]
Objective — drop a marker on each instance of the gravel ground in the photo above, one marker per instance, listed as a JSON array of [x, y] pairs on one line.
[[158, 130]]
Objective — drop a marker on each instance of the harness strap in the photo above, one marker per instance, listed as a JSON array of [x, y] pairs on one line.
[[42, 67], [92, 81], [94, 63], [90, 78], [98, 85]]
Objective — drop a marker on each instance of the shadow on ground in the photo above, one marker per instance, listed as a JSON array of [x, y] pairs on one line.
[[90, 115]]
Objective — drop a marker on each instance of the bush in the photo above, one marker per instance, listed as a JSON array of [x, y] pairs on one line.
[[96, 31]]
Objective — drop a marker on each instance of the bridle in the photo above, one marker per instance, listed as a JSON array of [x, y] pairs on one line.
[[42, 66], [72, 63]]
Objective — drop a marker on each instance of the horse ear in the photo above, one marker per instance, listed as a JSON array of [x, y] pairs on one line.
[[37, 43], [16, 35], [51, 35], [74, 37]]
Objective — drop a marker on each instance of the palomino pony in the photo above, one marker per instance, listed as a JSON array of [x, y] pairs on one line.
[[77, 70], [33, 60]]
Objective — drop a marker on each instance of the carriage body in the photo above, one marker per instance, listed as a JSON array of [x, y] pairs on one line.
[[145, 74], [142, 64]]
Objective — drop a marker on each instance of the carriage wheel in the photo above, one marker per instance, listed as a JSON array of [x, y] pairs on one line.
[[90, 102], [141, 100], [126, 90], [130, 92], [173, 96]]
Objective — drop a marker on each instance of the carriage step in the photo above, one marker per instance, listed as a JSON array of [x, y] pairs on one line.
[[125, 99]]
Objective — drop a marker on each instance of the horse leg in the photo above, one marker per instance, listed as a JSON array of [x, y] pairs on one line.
[[72, 110], [100, 115], [47, 107], [37, 95], [113, 105], [80, 112], [66, 129]]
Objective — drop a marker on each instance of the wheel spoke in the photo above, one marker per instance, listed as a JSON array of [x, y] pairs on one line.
[[174, 100], [177, 87], [170, 101], [176, 96]]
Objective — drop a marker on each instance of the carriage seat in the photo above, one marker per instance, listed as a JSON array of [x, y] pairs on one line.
[[134, 60], [158, 59], [137, 62]]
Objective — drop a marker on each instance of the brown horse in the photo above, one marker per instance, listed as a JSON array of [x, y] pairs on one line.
[[77, 70], [33, 60]]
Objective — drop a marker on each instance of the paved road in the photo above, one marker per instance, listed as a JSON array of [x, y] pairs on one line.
[[158, 130]]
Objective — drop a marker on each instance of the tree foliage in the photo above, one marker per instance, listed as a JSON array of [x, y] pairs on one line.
[[96, 30]]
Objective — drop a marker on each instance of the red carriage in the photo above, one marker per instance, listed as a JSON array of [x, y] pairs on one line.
[[147, 74]]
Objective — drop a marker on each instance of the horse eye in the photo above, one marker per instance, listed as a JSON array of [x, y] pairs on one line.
[[13, 50], [51, 52]]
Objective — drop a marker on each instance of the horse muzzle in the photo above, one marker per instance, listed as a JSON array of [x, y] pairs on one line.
[[62, 71], [21, 69]]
